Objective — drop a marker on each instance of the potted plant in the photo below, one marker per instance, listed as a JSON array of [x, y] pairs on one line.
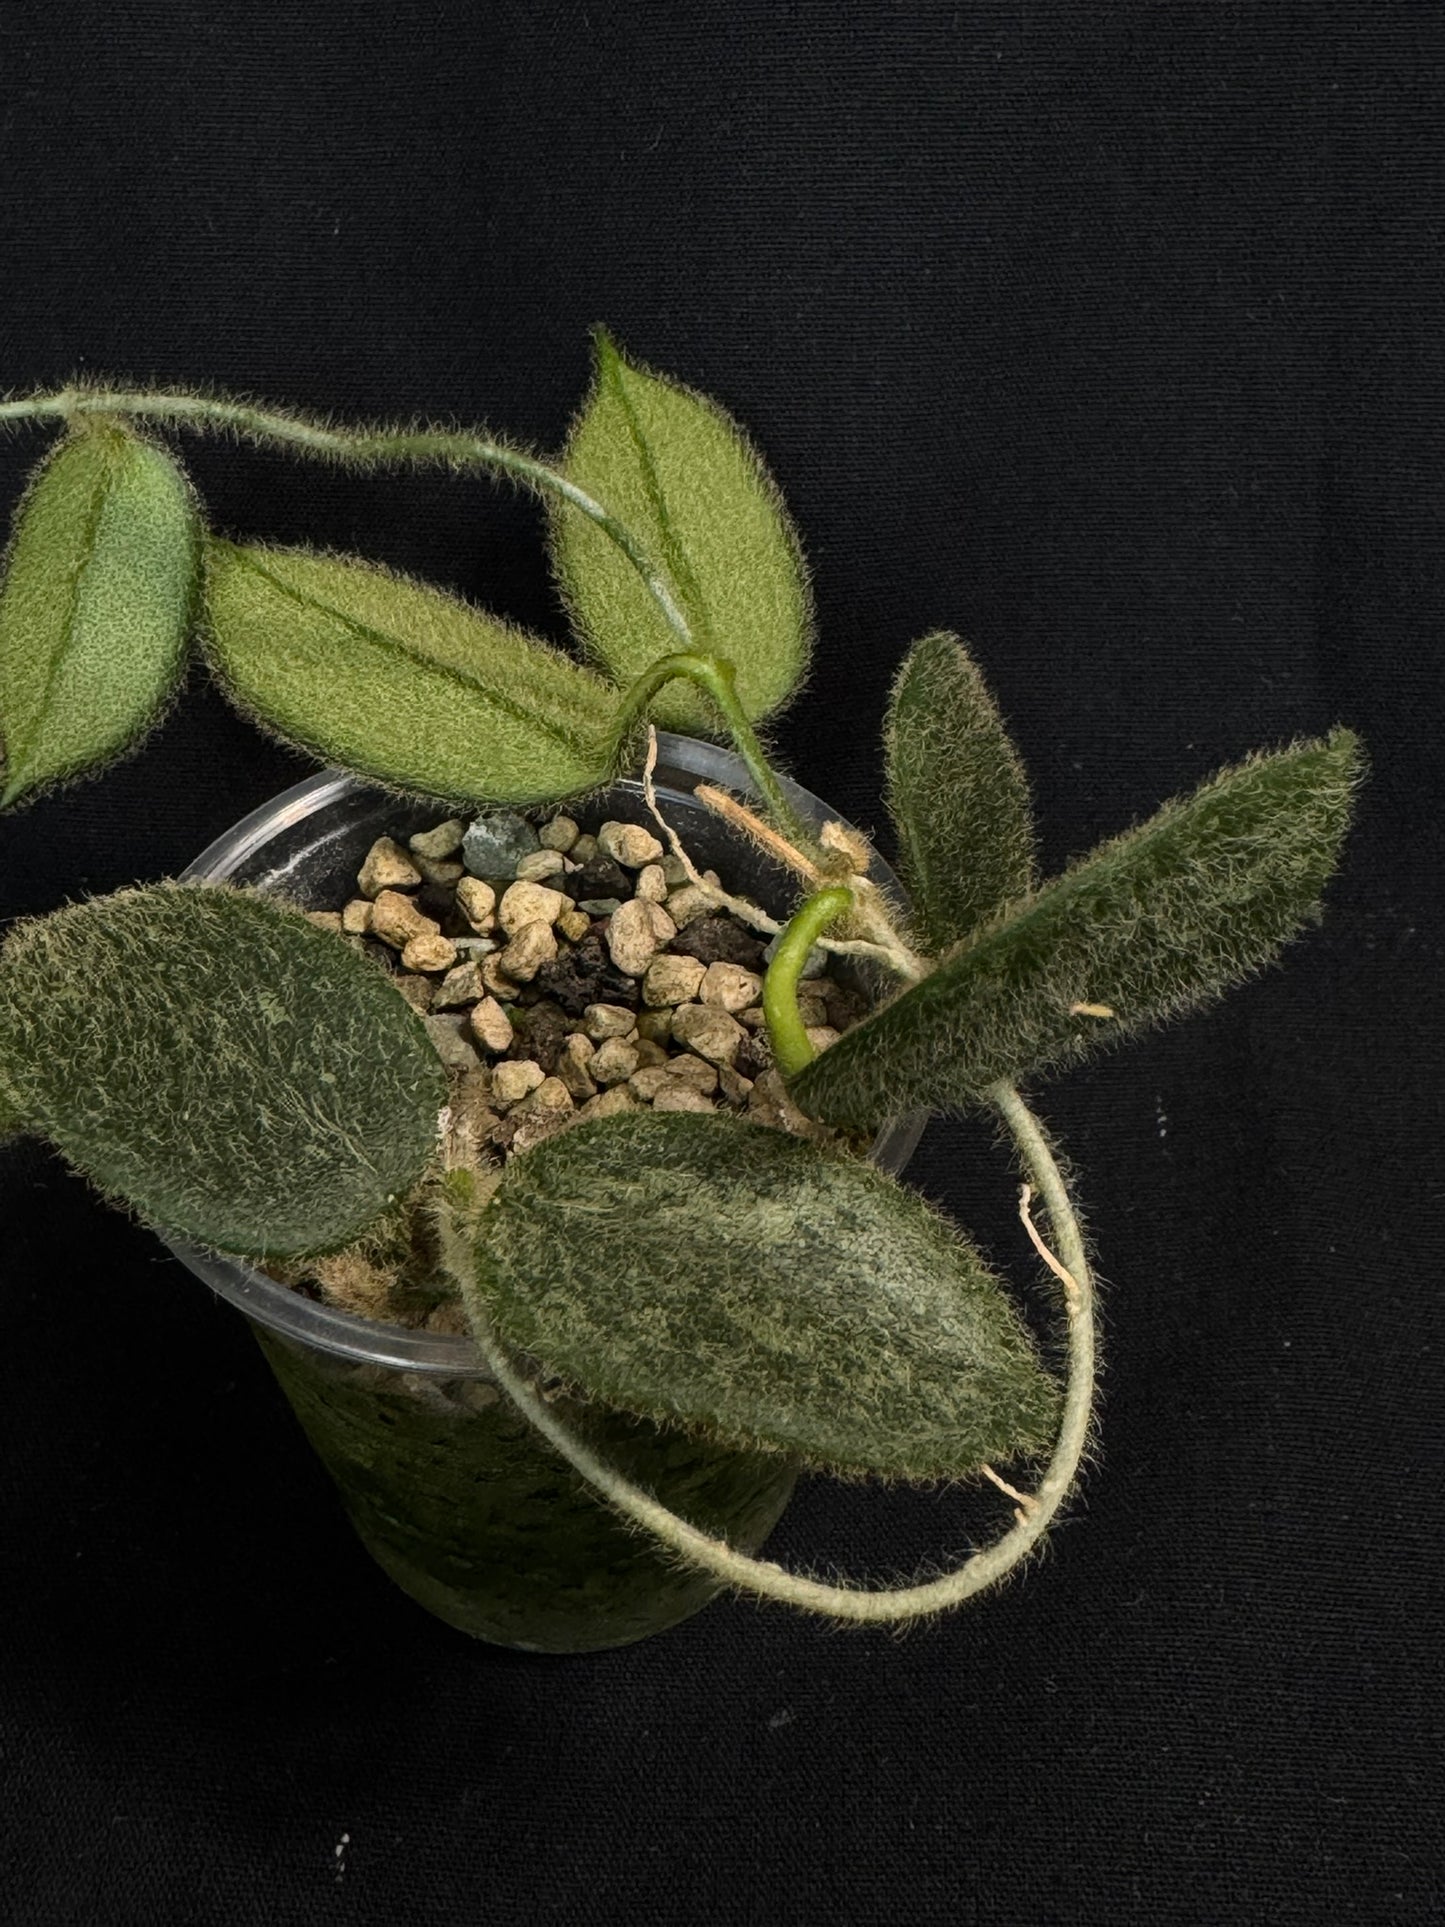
[[676, 1304]]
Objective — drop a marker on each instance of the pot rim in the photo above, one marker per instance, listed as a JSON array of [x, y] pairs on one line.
[[322, 1327]]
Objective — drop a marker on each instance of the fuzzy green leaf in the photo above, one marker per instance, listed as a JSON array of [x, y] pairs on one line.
[[401, 682], [705, 1271], [95, 607], [1157, 922], [218, 1063], [685, 480], [11, 1120], [957, 794]]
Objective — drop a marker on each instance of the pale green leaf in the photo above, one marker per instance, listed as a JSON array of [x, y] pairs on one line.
[[1161, 920], [703, 1270], [957, 794], [212, 1059], [687, 483], [401, 682], [95, 606]]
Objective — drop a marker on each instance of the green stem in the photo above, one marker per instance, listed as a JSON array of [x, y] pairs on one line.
[[717, 677], [792, 1049], [461, 449], [858, 1604]]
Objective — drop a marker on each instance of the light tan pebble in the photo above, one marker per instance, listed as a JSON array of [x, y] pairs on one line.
[[649, 1052], [453, 1043], [498, 983], [693, 1072], [711, 1033], [396, 920], [386, 867], [672, 980], [633, 936], [654, 1026], [729, 987], [514, 1078], [613, 1062], [601, 1021], [526, 903], [686, 905], [533, 945], [535, 1127], [680, 1097], [583, 850], [609, 1103], [733, 1085], [754, 1017], [628, 844], [674, 871], [550, 1095], [462, 985], [822, 1036], [477, 902], [438, 844], [651, 884], [326, 920], [441, 871], [559, 834], [645, 1084], [540, 864], [416, 990], [574, 925], [491, 1026], [356, 917], [572, 1066], [429, 953], [769, 1103]]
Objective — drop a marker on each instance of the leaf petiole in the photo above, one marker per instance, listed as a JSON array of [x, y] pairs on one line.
[[792, 1047]]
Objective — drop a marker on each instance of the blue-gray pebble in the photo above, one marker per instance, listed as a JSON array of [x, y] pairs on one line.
[[495, 845]]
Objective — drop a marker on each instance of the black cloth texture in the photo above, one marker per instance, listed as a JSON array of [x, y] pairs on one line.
[[1111, 338]]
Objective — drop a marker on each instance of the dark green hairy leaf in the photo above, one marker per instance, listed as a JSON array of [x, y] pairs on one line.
[[704, 1270], [11, 1120], [957, 794], [686, 481], [213, 1060], [403, 683], [1157, 922], [95, 606]]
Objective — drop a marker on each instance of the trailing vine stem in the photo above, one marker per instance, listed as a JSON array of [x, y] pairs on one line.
[[364, 447], [855, 1604]]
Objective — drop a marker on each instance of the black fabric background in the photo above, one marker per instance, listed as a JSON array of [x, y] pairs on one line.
[[1110, 337]]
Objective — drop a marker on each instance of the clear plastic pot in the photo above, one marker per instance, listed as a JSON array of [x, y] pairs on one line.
[[450, 1490]]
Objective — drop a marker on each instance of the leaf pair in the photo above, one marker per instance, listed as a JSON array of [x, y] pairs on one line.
[[238, 1077], [389, 677], [1159, 921], [704, 1271], [403, 683]]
